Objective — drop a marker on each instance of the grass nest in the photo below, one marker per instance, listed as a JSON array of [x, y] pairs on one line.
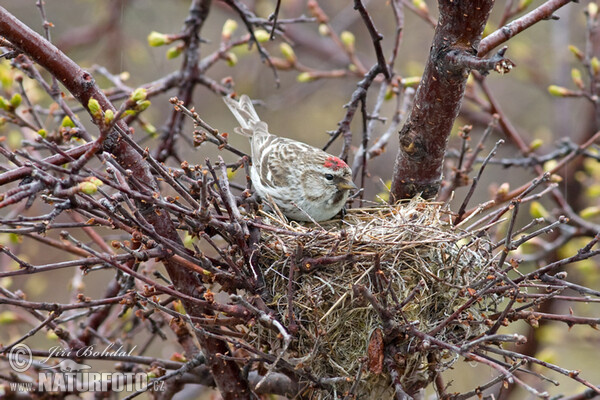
[[413, 262]]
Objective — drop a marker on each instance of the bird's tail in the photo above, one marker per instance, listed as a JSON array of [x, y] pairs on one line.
[[244, 112]]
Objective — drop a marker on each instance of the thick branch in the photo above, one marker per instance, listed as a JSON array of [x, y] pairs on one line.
[[423, 138]]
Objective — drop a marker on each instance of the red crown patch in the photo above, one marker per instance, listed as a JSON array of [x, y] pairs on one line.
[[334, 163]]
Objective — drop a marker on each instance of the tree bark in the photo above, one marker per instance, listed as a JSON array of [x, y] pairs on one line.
[[423, 138]]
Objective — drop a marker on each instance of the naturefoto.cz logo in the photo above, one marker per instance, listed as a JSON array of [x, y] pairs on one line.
[[71, 376]]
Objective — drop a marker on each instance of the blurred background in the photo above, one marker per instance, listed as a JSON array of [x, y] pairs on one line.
[[114, 34]]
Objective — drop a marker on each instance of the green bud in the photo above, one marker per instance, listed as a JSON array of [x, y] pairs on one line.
[[8, 317], [595, 64], [87, 187], [67, 122], [149, 128], [156, 39], [42, 133], [558, 91], [593, 191], [352, 67], [304, 77], [229, 28], [231, 59], [590, 212], [96, 181], [15, 238], [348, 40], [142, 105], [174, 52], [536, 144], [592, 10], [523, 4], [287, 52], [16, 100], [389, 93], [261, 35], [94, 108], [576, 52], [138, 95], [537, 210], [576, 77], [231, 173], [14, 139], [411, 81], [421, 6], [503, 190], [324, 30], [5, 104], [51, 335], [109, 116]]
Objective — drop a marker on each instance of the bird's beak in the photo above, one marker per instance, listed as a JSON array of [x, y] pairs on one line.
[[346, 185]]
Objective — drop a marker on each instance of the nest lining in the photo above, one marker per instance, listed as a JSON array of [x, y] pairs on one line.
[[392, 250]]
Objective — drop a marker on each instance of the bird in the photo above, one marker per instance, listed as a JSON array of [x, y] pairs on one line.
[[305, 182]]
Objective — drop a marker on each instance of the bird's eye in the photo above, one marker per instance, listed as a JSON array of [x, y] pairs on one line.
[[329, 177]]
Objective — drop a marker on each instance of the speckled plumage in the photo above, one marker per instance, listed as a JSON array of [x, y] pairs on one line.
[[305, 182]]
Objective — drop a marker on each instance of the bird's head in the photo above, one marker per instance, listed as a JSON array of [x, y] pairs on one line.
[[329, 178]]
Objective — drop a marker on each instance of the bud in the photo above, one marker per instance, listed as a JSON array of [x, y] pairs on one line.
[[287, 52], [555, 178], [590, 212], [537, 210], [43, 133], [324, 30], [67, 122], [87, 188], [95, 181], [149, 128], [261, 35], [523, 4], [15, 100], [502, 191], [94, 108], [4, 104], [8, 317], [595, 64], [421, 6], [231, 173], [156, 39], [411, 81], [576, 52], [389, 93], [593, 191], [142, 105], [550, 165], [229, 28], [305, 77], [592, 10], [576, 77], [231, 58], [174, 52], [109, 116], [138, 95], [558, 91], [348, 40], [536, 144]]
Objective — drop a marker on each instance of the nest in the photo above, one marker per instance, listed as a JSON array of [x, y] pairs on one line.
[[413, 263]]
